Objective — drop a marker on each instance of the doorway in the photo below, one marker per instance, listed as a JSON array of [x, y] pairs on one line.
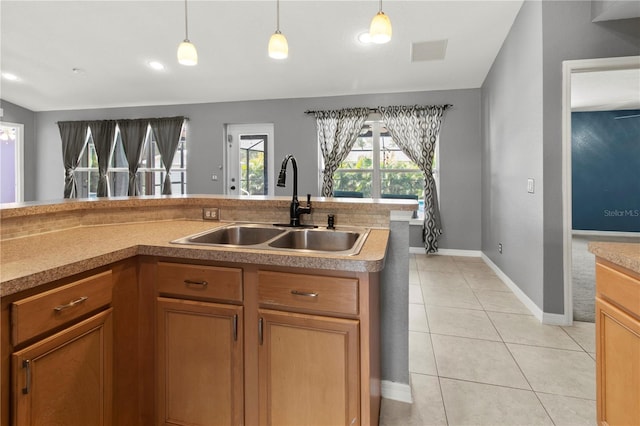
[[249, 159], [571, 69], [11, 159]]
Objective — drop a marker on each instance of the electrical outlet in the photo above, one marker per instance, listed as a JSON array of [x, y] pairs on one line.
[[531, 186], [211, 213], [499, 247], [214, 177]]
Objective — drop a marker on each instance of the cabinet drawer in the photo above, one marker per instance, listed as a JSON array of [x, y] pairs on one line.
[[45, 311], [200, 281], [619, 288], [308, 292]]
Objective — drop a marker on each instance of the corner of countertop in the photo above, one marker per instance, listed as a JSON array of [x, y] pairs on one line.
[[626, 255]]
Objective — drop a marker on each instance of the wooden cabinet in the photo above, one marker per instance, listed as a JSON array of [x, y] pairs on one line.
[[309, 370], [617, 344], [64, 378], [199, 346], [316, 365]]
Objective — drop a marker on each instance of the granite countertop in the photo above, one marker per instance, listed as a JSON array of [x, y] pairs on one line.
[[31, 261], [626, 255]]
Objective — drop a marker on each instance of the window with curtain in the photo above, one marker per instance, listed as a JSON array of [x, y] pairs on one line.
[[151, 172], [376, 167]]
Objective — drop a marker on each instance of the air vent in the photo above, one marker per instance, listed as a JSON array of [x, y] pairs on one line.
[[428, 50]]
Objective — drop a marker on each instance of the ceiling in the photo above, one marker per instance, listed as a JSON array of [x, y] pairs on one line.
[[110, 44]]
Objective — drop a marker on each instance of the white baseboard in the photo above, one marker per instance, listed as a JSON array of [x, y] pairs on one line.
[[543, 317], [447, 252], [396, 391], [535, 310], [555, 319]]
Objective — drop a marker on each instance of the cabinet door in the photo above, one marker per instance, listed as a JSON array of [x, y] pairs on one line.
[[66, 379], [308, 370], [618, 366], [200, 379]]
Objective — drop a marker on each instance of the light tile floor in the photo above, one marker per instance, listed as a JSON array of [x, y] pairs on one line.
[[478, 357]]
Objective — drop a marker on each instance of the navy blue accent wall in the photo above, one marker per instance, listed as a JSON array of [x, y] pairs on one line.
[[605, 168]]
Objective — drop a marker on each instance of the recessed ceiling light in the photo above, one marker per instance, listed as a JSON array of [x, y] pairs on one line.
[[9, 76], [156, 65], [364, 37]]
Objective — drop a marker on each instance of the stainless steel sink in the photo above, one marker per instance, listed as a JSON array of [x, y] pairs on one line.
[[316, 239], [345, 241], [235, 235]]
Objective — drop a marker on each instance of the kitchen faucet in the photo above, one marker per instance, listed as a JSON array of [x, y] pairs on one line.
[[295, 210]]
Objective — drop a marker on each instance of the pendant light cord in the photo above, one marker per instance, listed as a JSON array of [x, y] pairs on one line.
[[186, 23], [277, 16], [379, 6]]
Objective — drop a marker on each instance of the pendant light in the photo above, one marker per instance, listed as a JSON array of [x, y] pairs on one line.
[[380, 29], [187, 54], [278, 46]]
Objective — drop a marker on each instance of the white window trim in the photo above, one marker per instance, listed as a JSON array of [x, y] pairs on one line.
[[375, 121]]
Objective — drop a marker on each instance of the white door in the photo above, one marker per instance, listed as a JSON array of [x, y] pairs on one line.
[[249, 158], [11, 159]]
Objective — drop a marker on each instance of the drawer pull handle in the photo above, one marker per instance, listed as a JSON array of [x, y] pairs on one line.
[[202, 283], [70, 304], [304, 293], [27, 365]]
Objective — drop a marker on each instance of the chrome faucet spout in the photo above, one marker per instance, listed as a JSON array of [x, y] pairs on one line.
[[295, 210]]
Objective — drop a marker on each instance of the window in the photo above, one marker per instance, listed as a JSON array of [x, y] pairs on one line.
[[376, 167], [11, 162], [253, 177], [150, 172]]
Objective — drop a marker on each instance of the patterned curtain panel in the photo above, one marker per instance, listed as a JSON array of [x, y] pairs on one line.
[[167, 133], [337, 132], [415, 130], [133, 133], [74, 137], [103, 134]]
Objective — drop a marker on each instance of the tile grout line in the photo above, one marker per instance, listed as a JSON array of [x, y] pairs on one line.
[[433, 354]]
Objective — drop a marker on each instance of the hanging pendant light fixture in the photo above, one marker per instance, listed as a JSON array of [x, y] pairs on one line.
[[278, 46], [380, 29], [187, 54]]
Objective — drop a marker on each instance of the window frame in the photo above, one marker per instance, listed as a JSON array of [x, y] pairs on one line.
[[376, 124], [145, 174]]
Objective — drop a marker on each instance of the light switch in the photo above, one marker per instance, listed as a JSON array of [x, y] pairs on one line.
[[530, 185]]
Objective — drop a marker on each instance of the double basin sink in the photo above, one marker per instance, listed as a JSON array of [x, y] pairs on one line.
[[345, 241]]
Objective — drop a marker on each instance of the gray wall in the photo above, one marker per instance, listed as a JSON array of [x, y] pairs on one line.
[[543, 35], [568, 33], [460, 146], [16, 114], [512, 152]]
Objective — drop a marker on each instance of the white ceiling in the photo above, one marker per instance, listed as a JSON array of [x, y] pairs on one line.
[[111, 42]]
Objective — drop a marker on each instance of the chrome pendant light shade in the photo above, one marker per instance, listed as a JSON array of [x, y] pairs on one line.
[[278, 46], [380, 29], [187, 53]]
